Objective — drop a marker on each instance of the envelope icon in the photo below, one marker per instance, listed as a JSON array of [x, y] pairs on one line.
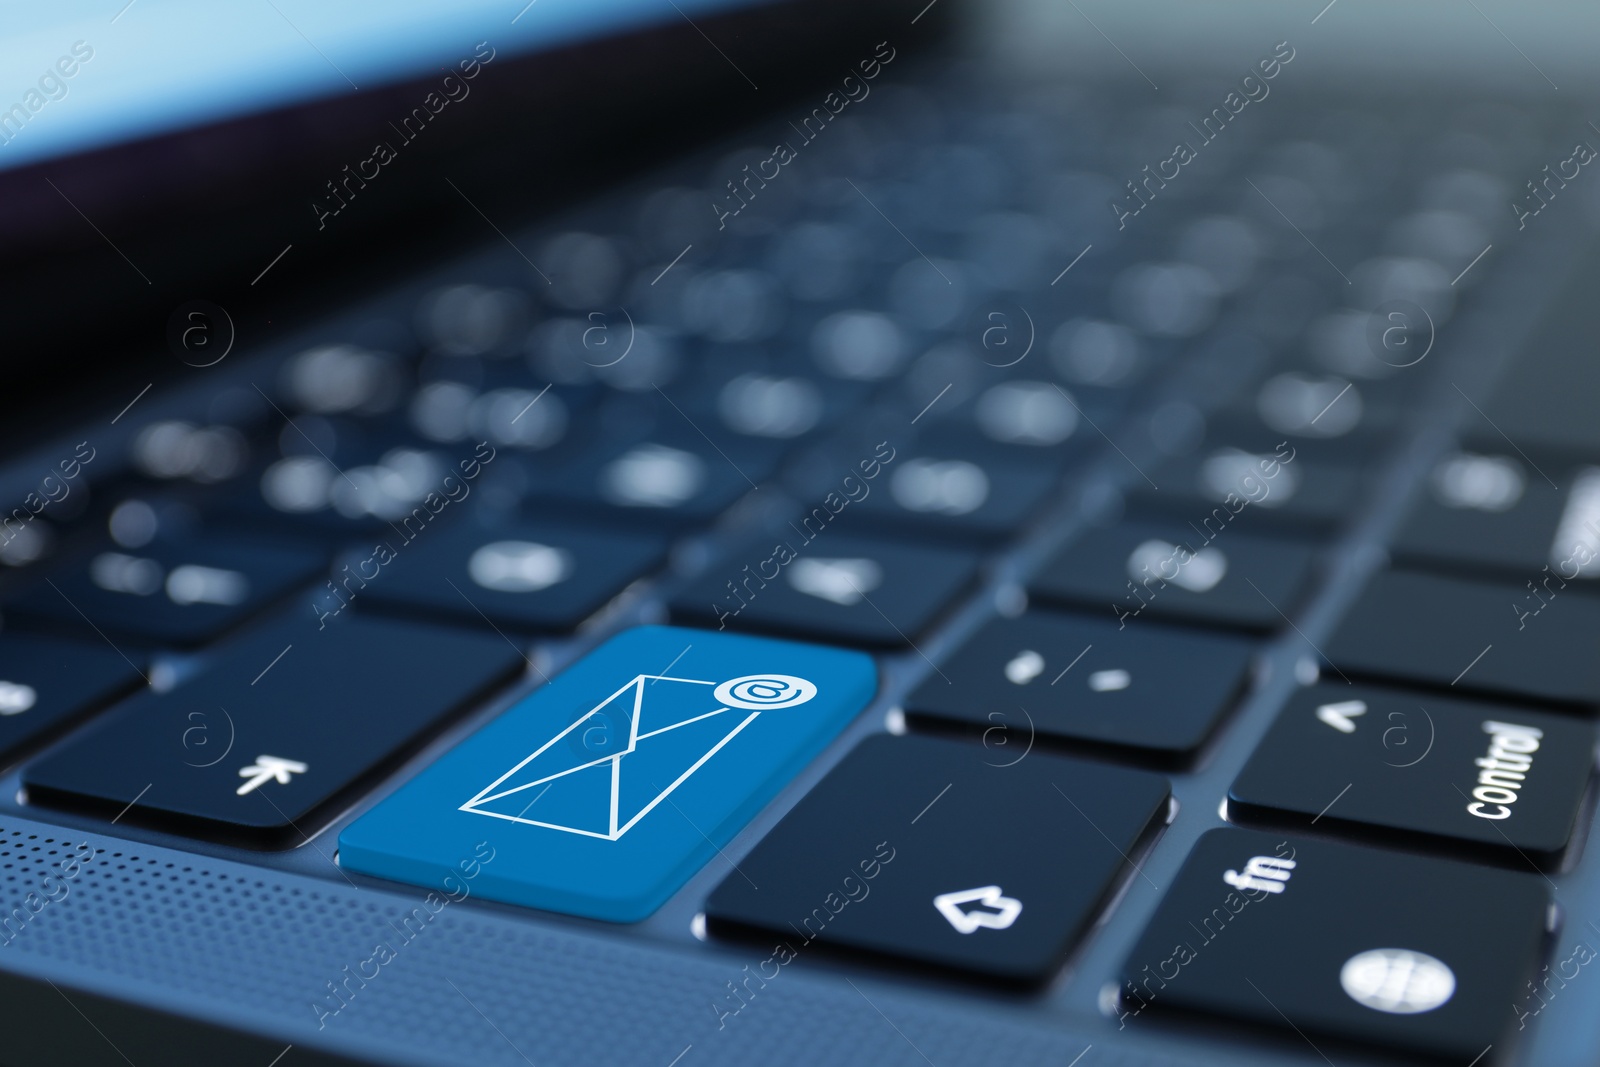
[[615, 762]]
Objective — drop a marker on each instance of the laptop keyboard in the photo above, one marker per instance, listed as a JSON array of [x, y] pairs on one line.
[[829, 419]]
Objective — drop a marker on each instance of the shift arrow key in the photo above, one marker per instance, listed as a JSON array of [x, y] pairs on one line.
[[936, 852], [257, 758]]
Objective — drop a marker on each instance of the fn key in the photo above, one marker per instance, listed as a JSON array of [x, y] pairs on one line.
[[1339, 942]]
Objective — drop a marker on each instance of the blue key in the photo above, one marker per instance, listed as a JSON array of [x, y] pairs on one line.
[[604, 791]]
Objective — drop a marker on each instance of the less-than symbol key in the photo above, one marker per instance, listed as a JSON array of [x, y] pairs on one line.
[[1340, 716]]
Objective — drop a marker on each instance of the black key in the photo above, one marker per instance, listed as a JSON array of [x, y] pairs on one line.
[[1544, 400], [739, 396], [185, 593], [1034, 425], [1144, 686], [1491, 513], [1300, 493], [851, 464], [535, 575], [376, 480], [917, 848], [47, 685], [283, 725], [1338, 941], [1499, 780], [820, 583], [1329, 416], [981, 498], [1205, 572], [668, 480], [1488, 637]]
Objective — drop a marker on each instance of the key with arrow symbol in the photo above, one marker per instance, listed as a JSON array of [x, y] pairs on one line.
[[1004, 913], [348, 701], [1042, 844], [269, 768]]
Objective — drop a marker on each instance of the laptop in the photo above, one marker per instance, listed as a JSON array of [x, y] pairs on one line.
[[725, 531]]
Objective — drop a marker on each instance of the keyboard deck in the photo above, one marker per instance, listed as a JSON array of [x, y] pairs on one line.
[[1235, 515]]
